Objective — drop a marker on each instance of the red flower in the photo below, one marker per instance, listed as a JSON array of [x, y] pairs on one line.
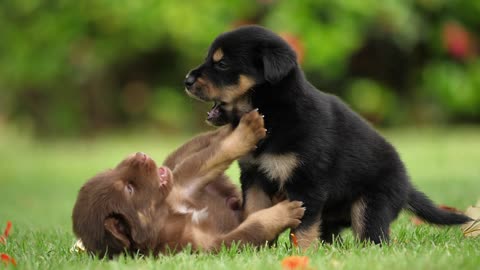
[[296, 44], [458, 41], [295, 263]]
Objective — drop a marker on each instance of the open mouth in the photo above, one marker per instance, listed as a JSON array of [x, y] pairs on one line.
[[215, 112]]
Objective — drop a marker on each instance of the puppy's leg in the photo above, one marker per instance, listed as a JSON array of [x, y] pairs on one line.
[[330, 231], [308, 233], [255, 199], [264, 225], [371, 217], [226, 189], [196, 144], [205, 165]]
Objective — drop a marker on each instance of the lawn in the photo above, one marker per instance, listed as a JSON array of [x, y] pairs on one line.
[[39, 182]]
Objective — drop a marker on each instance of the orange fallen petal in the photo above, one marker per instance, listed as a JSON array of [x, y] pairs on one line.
[[7, 230], [294, 240], [7, 259], [295, 263], [3, 238]]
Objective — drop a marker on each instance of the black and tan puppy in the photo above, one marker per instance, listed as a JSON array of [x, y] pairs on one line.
[[139, 207], [317, 149]]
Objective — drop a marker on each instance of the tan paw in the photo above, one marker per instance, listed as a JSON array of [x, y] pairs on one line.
[[251, 128], [292, 211]]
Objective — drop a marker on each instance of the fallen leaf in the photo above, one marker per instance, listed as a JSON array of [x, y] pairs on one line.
[[78, 247], [295, 263], [472, 228]]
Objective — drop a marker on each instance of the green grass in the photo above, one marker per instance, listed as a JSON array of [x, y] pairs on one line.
[[39, 181]]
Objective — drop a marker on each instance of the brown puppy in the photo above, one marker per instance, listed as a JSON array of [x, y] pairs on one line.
[[138, 207]]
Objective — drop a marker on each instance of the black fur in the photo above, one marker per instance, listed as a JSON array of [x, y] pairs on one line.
[[342, 158]]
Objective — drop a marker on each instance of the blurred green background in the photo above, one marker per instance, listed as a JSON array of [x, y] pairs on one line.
[[77, 68], [84, 83]]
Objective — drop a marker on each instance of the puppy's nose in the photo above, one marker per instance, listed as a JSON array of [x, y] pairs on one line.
[[141, 156], [189, 81]]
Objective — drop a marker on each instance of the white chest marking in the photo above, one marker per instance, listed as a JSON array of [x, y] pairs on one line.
[[197, 215], [276, 167]]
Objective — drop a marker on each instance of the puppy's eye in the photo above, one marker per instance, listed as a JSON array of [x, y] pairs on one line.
[[221, 65], [129, 189]]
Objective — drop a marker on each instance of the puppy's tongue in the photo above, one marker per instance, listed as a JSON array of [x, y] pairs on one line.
[[214, 113]]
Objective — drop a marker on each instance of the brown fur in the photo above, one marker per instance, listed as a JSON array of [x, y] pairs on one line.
[[358, 217], [137, 207], [259, 200], [308, 237]]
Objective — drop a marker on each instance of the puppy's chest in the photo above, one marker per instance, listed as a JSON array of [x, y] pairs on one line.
[[277, 167], [181, 204]]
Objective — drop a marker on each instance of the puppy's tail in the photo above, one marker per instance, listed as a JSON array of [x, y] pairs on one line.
[[423, 207]]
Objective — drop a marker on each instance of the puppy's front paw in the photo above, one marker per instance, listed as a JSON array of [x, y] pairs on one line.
[[292, 211], [251, 128]]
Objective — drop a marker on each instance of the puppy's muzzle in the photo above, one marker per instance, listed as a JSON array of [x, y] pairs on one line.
[[189, 81]]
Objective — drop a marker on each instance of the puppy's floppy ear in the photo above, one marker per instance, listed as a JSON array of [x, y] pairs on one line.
[[278, 61], [119, 229]]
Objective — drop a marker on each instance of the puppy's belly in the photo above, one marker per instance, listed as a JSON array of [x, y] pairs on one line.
[[337, 213], [221, 216]]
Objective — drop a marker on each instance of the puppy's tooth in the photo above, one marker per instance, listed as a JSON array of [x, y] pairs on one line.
[[256, 109]]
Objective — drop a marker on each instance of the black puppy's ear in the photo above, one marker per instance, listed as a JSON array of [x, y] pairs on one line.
[[118, 229], [277, 62]]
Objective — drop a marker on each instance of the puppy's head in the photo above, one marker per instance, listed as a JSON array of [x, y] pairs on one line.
[[120, 209], [236, 62]]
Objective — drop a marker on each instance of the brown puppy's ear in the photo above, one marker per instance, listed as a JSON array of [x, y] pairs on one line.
[[139, 234], [277, 62], [117, 229]]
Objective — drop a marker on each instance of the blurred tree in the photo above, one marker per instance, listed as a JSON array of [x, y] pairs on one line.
[[70, 67]]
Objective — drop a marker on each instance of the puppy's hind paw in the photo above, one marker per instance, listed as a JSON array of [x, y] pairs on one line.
[[294, 212]]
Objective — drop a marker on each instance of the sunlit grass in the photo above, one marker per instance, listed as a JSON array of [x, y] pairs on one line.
[[39, 182]]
